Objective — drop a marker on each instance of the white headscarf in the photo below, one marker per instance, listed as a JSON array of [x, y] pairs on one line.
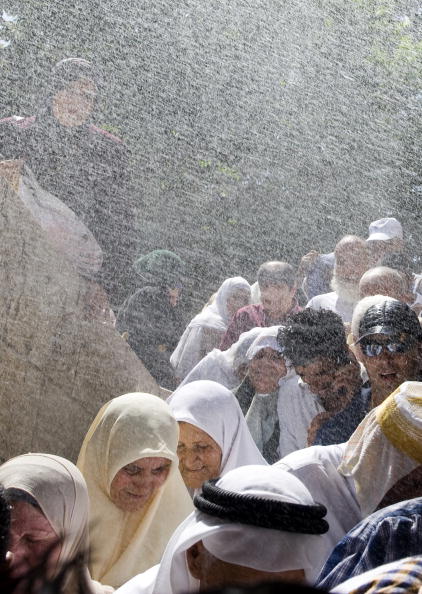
[[215, 410], [263, 549], [126, 429], [262, 417], [215, 316], [267, 338], [60, 490], [221, 366], [373, 463]]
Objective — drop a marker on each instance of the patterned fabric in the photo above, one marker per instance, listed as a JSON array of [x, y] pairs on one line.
[[383, 537], [404, 576]]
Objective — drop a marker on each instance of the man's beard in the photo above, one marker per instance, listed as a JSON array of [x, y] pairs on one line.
[[347, 290]]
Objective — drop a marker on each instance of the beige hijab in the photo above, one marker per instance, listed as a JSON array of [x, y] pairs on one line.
[[60, 490], [126, 429]]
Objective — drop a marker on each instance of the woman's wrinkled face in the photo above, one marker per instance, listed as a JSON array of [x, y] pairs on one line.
[[136, 483], [32, 539], [199, 456], [73, 105]]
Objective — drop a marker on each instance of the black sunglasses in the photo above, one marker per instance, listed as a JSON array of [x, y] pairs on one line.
[[374, 349]]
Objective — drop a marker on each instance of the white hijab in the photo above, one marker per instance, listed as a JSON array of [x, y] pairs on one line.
[[214, 409], [262, 416], [221, 366], [215, 316], [126, 429], [60, 490], [263, 549]]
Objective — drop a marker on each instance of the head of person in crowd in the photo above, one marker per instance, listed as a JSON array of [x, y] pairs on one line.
[[205, 330], [402, 263], [236, 294], [71, 94], [266, 363], [164, 269], [252, 525], [384, 454], [129, 461], [214, 437], [385, 236], [315, 343], [49, 509], [388, 341], [382, 280], [277, 284], [351, 261]]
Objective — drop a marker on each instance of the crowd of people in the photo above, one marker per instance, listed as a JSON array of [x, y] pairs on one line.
[[289, 448]]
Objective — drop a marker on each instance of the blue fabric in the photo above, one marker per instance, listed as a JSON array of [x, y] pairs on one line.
[[340, 427], [318, 278], [386, 535]]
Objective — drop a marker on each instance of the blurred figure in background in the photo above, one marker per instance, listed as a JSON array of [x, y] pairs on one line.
[[385, 237], [65, 159], [151, 318], [351, 261], [384, 281], [207, 329], [277, 284]]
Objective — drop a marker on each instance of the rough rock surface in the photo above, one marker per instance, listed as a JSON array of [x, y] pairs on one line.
[[56, 369]]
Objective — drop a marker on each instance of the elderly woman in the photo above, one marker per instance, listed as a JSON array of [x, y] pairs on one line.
[[207, 329], [214, 437], [129, 461], [49, 519], [258, 393]]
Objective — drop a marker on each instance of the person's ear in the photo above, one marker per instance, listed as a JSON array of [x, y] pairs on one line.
[[194, 558]]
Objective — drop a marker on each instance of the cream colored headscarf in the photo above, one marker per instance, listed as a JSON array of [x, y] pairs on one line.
[[60, 490], [126, 429], [385, 447]]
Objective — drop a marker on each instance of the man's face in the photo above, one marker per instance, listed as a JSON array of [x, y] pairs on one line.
[[387, 370], [277, 300], [334, 384]]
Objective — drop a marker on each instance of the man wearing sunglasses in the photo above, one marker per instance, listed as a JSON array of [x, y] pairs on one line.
[[388, 341]]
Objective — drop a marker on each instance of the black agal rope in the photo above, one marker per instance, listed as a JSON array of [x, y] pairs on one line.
[[266, 513]]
